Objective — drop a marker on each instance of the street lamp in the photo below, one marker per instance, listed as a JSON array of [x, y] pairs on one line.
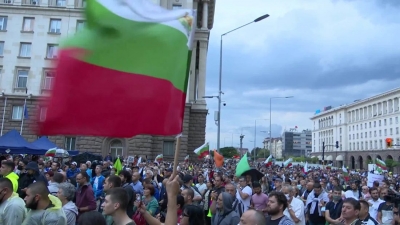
[[220, 76], [270, 120], [255, 136]]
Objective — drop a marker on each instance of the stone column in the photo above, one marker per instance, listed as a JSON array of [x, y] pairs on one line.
[[201, 81], [204, 24], [192, 75]]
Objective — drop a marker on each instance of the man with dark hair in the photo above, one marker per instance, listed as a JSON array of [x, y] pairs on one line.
[[84, 195], [350, 211], [31, 176], [364, 215], [110, 183], [316, 201], [277, 203], [12, 207], [333, 209], [374, 202], [126, 179], [115, 205], [43, 208], [7, 170]]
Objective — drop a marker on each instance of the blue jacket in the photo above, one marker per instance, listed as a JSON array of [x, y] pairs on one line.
[[98, 189]]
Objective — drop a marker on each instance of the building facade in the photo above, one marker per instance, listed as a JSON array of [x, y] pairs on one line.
[[275, 147], [361, 129], [30, 31], [296, 144]]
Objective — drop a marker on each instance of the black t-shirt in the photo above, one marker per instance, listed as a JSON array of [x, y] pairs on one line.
[[269, 221], [335, 210], [314, 216]]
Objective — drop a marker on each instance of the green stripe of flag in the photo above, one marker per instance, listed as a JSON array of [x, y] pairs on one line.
[[134, 46]]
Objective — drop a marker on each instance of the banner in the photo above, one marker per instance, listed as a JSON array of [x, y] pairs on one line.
[[374, 177]]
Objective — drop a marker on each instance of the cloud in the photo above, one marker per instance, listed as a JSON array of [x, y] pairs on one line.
[[322, 52]]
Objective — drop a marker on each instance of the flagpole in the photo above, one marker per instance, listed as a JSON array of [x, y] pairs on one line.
[[4, 113], [23, 118]]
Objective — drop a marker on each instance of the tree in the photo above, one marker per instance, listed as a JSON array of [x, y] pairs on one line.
[[314, 160], [390, 164], [262, 153], [228, 152]]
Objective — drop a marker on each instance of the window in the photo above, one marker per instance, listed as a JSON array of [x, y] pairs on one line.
[[168, 148], [17, 112], [28, 24], [22, 78], [43, 112], [80, 24], [48, 80], [25, 50], [60, 3], [51, 51], [83, 3], [1, 48], [176, 6], [116, 148], [70, 143], [55, 26], [3, 23]]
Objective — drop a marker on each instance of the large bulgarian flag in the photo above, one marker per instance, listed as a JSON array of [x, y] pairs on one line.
[[203, 150], [125, 74]]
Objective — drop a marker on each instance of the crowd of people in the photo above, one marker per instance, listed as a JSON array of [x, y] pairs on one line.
[[34, 191]]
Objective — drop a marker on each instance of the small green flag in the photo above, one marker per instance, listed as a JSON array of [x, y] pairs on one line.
[[118, 165], [242, 166]]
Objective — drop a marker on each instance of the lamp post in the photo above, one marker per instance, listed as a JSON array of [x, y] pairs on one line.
[[220, 76], [255, 136], [270, 120], [263, 131]]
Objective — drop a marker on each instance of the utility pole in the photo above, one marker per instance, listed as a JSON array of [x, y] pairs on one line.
[[241, 144]]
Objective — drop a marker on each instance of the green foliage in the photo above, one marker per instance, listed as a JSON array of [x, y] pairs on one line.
[[228, 152], [390, 164], [262, 153], [312, 160]]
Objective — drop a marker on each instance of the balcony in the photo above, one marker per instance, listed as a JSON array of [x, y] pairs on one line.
[[6, 2], [57, 3], [30, 2]]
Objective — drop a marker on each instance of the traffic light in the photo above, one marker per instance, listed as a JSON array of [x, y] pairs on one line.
[[337, 144], [389, 142]]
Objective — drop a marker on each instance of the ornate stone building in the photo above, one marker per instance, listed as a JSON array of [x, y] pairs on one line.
[[29, 33], [360, 130]]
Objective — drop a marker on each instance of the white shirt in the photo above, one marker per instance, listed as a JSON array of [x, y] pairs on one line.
[[202, 187], [373, 209], [246, 202], [298, 208]]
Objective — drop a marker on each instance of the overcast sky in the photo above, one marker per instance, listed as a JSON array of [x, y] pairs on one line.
[[322, 52]]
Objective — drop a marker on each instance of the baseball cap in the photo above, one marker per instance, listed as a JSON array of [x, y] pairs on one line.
[[187, 178]]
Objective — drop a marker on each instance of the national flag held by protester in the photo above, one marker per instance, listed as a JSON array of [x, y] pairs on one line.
[[305, 168], [345, 173], [159, 158], [203, 150], [287, 163], [268, 161], [124, 74], [381, 164], [187, 158]]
